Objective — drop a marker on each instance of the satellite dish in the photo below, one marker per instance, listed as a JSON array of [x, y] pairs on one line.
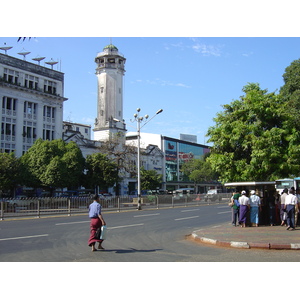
[[24, 53], [5, 48], [38, 59], [52, 63]]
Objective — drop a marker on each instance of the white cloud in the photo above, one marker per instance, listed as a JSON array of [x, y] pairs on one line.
[[202, 48], [207, 50], [247, 54]]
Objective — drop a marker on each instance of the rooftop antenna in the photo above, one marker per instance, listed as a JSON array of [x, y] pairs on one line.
[[51, 63], [5, 48], [24, 53], [38, 59]]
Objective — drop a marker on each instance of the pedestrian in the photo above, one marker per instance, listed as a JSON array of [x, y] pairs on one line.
[[282, 206], [244, 208], [96, 222], [290, 203], [297, 206], [271, 199], [235, 207], [254, 208]]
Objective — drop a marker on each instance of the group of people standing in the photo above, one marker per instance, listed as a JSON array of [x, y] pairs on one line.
[[289, 208], [252, 209]]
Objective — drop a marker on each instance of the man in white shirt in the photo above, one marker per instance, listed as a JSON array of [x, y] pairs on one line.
[[244, 208], [290, 203], [282, 204]]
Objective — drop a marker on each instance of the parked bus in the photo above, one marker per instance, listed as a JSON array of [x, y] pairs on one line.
[[281, 184]]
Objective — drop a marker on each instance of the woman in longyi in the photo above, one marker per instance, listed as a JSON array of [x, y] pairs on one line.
[[96, 222]]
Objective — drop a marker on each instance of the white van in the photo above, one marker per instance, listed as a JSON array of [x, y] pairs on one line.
[[214, 191]]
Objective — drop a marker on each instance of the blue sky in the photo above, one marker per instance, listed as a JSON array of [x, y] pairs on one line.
[[187, 59], [189, 78]]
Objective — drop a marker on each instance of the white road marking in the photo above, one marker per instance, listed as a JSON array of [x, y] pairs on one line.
[[190, 210], [125, 226], [146, 215], [186, 218], [69, 223], [224, 212], [24, 237]]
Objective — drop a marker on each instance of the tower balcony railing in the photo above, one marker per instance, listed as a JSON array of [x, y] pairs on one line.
[[110, 53]]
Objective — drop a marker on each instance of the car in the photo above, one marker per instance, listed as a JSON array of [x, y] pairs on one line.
[[106, 197], [213, 195]]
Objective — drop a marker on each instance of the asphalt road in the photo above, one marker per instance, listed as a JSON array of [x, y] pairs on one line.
[[152, 235]]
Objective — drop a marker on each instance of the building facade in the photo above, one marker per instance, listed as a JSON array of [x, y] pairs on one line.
[[77, 128], [32, 98], [175, 152], [81, 135]]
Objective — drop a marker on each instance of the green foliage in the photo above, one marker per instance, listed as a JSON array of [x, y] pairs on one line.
[[9, 171], [101, 171], [251, 137], [198, 170], [53, 164], [150, 179]]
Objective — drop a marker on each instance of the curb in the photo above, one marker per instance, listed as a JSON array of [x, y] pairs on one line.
[[245, 245]]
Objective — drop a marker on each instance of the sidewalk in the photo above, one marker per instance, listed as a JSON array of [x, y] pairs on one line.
[[264, 237]]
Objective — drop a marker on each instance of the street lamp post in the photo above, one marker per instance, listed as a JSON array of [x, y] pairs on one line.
[[139, 120]]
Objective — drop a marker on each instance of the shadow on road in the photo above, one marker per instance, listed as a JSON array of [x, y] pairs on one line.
[[131, 250]]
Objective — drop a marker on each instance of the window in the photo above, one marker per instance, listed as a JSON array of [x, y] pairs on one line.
[[31, 82], [7, 129], [11, 76], [30, 107], [49, 112], [9, 103], [50, 87]]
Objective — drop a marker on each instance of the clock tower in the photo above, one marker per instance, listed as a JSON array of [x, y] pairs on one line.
[[110, 71]]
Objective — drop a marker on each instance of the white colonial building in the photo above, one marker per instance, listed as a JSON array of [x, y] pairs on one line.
[[32, 98]]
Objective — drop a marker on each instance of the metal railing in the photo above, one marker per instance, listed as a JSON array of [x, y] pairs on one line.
[[38, 207]]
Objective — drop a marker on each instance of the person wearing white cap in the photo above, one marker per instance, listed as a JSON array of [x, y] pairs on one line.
[[244, 208], [290, 203], [254, 208]]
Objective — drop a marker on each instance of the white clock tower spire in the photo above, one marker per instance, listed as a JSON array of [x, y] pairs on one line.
[[110, 71]]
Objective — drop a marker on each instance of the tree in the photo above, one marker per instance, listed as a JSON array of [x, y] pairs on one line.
[[251, 138], [290, 92], [100, 171], [123, 155], [150, 179], [53, 164], [9, 171], [199, 170]]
